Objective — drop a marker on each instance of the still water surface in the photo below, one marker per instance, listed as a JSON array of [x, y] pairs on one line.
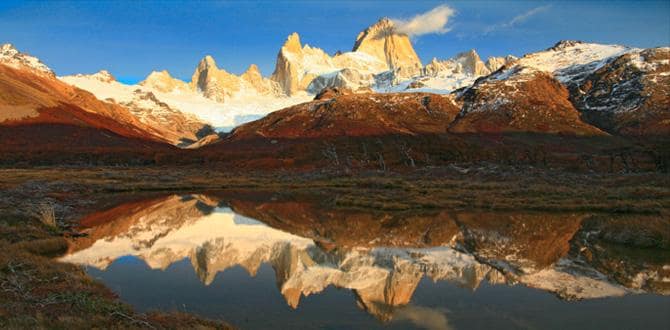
[[267, 262]]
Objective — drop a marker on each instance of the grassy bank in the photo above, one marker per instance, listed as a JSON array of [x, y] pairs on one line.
[[481, 186]]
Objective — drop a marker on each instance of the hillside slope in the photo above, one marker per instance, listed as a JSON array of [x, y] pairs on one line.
[[43, 118], [356, 115]]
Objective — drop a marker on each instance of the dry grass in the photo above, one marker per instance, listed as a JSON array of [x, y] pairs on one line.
[[46, 214]]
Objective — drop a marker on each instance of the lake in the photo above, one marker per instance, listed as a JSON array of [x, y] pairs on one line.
[[269, 260]]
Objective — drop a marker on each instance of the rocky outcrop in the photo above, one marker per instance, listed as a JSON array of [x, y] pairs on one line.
[[618, 89], [629, 95], [220, 85], [435, 67], [361, 62], [382, 58], [212, 82], [377, 49], [258, 83], [286, 71], [332, 92], [382, 41], [297, 65]]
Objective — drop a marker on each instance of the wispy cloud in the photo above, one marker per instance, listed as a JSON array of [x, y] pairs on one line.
[[516, 20], [432, 21]]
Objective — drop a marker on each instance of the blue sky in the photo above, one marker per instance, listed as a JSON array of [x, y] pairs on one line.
[[131, 39]]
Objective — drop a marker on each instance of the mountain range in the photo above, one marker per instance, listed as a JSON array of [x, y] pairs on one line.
[[378, 88]]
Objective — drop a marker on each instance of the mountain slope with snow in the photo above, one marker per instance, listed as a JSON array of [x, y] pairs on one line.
[[553, 91], [45, 120], [47, 92], [184, 112], [446, 76], [179, 128]]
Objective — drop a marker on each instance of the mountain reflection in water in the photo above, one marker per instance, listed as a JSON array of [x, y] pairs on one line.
[[383, 257]]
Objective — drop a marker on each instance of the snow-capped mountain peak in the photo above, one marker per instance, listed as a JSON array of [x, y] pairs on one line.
[[207, 62], [9, 55], [214, 83], [570, 61], [292, 43], [101, 76], [472, 63], [104, 76], [252, 70], [162, 81], [563, 44]]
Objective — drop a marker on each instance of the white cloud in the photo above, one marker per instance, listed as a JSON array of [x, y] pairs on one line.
[[520, 18], [517, 19], [433, 21]]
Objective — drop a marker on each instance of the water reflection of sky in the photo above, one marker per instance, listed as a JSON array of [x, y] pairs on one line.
[[255, 303]]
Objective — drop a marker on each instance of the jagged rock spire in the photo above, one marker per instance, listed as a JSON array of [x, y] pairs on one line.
[[383, 42]]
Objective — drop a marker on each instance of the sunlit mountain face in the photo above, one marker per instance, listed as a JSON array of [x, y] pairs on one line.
[[195, 252]]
